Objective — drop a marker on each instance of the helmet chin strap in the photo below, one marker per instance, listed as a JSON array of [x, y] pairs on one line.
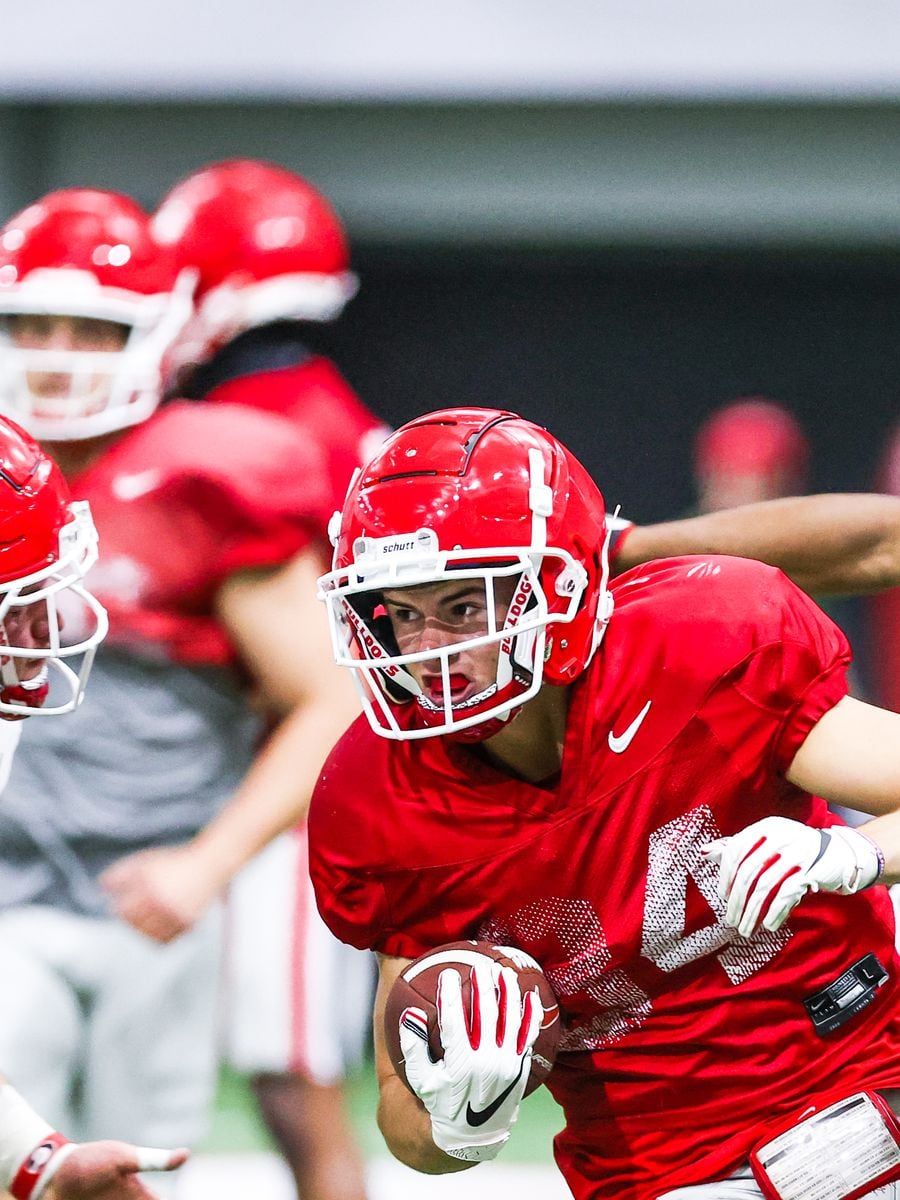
[[607, 602], [484, 730]]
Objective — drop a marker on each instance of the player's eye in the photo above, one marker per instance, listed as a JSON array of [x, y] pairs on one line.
[[29, 327], [467, 609], [93, 334], [400, 615]]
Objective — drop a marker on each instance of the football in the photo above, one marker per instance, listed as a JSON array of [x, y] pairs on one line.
[[417, 986]]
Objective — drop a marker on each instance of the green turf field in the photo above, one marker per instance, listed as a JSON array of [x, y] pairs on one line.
[[237, 1127]]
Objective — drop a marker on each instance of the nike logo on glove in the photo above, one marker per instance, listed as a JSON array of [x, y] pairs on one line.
[[476, 1118], [621, 743]]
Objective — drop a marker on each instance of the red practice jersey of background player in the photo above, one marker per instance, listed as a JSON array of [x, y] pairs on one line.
[[185, 500], [682, 1039], [310, 392]]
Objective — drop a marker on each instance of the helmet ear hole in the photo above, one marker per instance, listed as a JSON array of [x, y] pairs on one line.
[[572, 579]]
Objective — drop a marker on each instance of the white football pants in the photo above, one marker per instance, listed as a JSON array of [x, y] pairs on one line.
[[108, 1033], [295, 998]]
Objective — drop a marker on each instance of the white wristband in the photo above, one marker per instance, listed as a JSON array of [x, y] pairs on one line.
[[21, 1129], [52, 1165]]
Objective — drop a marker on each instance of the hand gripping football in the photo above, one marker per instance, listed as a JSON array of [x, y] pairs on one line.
[[416, 987]]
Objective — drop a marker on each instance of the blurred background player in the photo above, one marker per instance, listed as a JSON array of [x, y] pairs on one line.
[[271, 257], [47, 544], [272, 261], [749, 450], [212, 518]]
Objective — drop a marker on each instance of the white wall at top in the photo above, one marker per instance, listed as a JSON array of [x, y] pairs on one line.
[[678, 175], [439, 49]]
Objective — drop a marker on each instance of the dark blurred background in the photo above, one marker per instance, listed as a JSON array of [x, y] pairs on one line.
[[624, 354], [611, 217]]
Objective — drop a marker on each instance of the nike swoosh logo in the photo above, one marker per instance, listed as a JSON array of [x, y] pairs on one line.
[[476, 1118], [621, 743]]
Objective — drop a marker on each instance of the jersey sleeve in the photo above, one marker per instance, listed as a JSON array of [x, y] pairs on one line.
[[243, 489], [795, 669], [245, 534], [737, 644], [367, 846], [350, 896]]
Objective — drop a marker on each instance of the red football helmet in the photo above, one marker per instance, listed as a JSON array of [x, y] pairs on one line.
[[89, 256], [477, 494], [267, 245], [47, 544], [751, 449]]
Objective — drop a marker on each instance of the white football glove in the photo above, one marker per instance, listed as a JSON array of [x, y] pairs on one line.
[[767, 868], [473, 1093]]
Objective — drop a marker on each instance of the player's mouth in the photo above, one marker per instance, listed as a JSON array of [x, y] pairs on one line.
[[33, 673], [29, 693], [30, 673], [461, 688]]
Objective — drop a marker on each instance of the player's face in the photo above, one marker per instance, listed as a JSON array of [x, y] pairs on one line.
[[25, 626], [433, 616], [66, 334], [28, 626]]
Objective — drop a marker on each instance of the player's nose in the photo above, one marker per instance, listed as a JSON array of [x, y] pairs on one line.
[[62, 335], [36, 627], [435, 636]]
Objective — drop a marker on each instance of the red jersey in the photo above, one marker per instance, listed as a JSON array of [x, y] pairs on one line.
[[316, 398], [183, 501], [683, 1040]]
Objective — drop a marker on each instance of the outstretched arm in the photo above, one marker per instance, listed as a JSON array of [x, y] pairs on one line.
[[280, 629], [829, 544]]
